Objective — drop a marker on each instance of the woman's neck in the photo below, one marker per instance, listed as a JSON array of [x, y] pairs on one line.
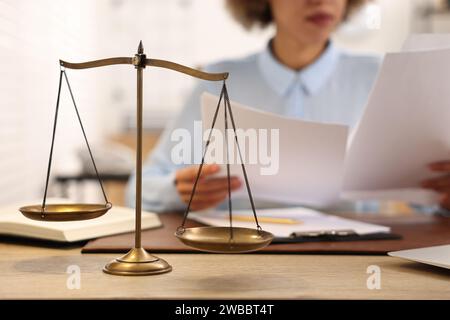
[[293, 54]]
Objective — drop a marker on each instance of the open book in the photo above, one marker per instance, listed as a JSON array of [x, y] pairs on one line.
[[116, 220]]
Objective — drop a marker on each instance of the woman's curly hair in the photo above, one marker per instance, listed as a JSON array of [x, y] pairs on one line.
[[258, 12]]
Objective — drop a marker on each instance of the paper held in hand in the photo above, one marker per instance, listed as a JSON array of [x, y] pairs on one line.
[[405, 126], [287, 160]]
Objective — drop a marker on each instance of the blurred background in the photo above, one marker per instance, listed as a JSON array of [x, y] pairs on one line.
[[35, 34]]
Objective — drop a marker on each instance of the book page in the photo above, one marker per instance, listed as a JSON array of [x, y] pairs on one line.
[[117, 220]]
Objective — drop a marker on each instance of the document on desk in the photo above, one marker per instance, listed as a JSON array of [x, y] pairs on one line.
[[287, 160], [405, 126], [308, 220]]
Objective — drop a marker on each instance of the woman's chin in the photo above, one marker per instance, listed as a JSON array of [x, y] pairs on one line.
[[316, 39], [312, 35]]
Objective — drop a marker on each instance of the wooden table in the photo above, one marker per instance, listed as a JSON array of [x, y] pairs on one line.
[[32, 272]]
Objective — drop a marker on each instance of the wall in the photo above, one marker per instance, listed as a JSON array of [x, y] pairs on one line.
[[33, 36]]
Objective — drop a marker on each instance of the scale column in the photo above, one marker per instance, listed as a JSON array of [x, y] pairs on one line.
[[139, 125], [137, 261]]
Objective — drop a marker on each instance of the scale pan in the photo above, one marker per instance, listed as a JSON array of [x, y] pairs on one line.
[[65, 212], [217, 239]]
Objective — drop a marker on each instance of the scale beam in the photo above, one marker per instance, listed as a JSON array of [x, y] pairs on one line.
[[96, 63], [186, 70], [148, 62]]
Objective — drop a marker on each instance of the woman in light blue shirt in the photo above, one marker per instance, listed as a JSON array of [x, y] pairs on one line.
[[300, 73]]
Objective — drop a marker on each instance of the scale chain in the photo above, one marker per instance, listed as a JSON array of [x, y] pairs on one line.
[[227, 106], [228, 170], [85, 138], [244, 171], [52, 144], [62, 72], [186, 212]]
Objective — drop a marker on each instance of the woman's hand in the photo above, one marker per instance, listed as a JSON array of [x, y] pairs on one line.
[[209, 192], [440, 184]]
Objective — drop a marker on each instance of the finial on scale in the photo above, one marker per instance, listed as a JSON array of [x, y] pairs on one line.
[[141, 47]]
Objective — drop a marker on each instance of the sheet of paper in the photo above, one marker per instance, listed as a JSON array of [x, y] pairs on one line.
[[413, 195], [302, 163], [309, 221], [426, 41], [405, 125], [437, 256]]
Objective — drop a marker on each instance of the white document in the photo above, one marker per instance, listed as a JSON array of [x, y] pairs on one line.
[[308, 221], [438, 256], [413, 195], [306, 160], [406, 125], [426, 41]]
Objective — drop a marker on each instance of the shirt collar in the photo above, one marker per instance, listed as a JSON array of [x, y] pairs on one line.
[[281, 78]]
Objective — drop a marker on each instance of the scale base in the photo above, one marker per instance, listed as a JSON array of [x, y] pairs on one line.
[[137, 262]]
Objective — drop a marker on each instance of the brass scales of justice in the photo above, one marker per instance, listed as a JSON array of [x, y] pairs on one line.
[[210, 239]]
